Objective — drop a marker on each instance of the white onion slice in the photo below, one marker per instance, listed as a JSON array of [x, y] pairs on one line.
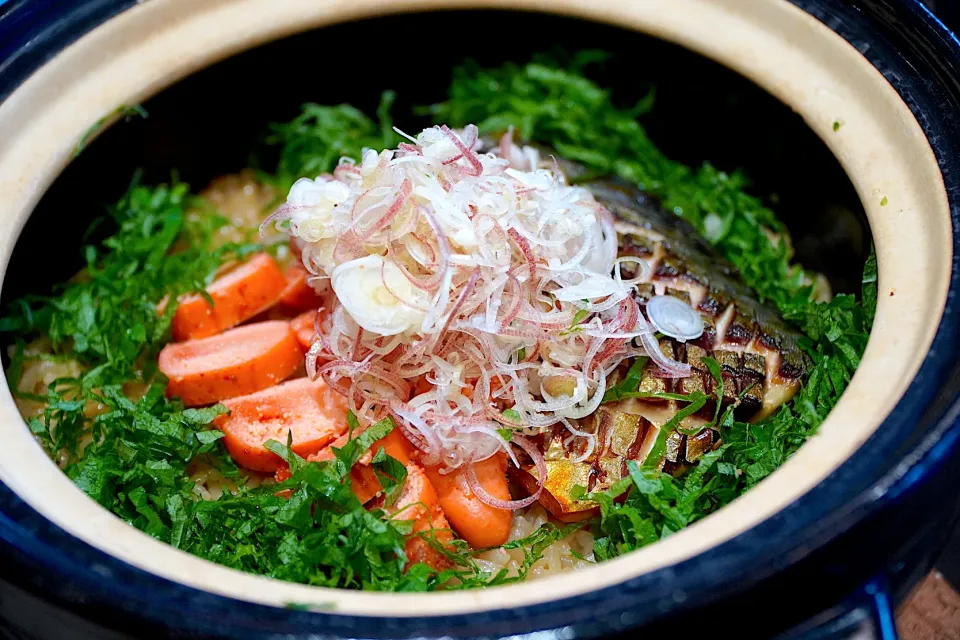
[[590, 288], [675, 318]]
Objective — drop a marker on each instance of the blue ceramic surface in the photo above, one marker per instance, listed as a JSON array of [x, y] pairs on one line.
[[877, 521]]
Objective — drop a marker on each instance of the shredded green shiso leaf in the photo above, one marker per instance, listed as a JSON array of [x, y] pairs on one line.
[[124, 111], [138, 454], [314, 141]]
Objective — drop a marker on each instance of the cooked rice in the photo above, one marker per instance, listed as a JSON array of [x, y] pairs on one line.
[[40, 368], [243, 200], [210, 483], [559, 557]]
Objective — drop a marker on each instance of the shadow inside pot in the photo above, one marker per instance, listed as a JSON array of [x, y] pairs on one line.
[[214, 122]]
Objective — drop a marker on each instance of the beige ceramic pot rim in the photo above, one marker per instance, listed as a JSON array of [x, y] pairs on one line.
[[783, 49]]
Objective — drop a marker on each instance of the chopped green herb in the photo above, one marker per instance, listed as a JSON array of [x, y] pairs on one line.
[[513, 416], [578, 556], [314, 141], [579, 317], [391, 473], [696, 401], [714, 368], [286, 452], [123, 111], [353, 450], [627, 387], [883, 201], [869, 291], [352, 424]]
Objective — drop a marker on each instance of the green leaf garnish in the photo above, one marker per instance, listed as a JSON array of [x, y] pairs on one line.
[[627, 387], [123, 111], [314, 141]]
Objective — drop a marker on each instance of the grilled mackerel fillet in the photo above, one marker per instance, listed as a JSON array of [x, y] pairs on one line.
[[758, 352]]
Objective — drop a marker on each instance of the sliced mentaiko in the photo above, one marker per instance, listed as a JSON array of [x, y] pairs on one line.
[[233, 363], [307, 411], [238, 295]]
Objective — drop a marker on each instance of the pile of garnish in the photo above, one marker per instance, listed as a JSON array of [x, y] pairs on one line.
[[478, 297]]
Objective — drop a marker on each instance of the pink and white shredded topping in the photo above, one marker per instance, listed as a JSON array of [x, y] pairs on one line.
[[468, 285]]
